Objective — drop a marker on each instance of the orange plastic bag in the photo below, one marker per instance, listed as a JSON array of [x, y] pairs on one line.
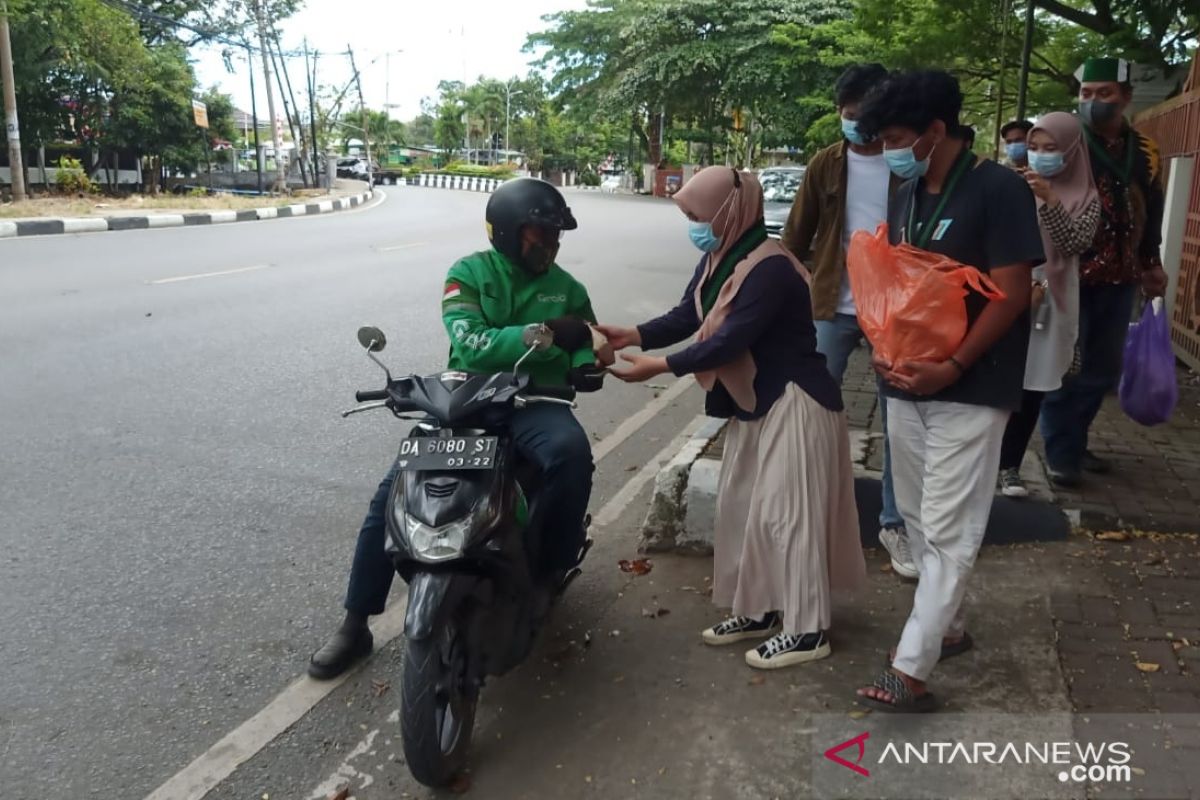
[[910, 301]]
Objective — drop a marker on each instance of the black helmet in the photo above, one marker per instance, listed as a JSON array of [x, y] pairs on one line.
[[524, 201]]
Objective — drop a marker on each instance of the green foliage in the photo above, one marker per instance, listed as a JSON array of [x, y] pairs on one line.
[[71, 178], [477, 171], [742, 75]]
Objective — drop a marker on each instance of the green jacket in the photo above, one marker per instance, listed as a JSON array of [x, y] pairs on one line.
[[488, 301]]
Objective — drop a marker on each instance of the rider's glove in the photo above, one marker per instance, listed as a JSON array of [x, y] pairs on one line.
[[588, 378], [570, 333]]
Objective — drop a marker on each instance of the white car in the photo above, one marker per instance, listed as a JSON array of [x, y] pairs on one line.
[[611, 183]]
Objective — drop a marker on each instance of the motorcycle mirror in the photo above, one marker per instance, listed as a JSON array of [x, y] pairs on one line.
[[538, 337], [371, 338]]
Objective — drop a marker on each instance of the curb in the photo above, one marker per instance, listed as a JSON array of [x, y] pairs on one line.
[[51, 226], [682, 512], [459, 182]]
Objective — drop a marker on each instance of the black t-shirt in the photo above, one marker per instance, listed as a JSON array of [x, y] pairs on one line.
[[989, 221]]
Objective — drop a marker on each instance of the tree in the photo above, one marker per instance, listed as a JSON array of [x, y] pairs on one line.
[[1157, 32]]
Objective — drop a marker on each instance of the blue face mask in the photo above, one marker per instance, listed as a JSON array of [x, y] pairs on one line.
[[903, 161], [1046, 164], [703, 237], [1016, 151], [850, 131]]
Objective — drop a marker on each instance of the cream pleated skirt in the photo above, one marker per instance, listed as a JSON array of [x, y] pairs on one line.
[[787, 525]]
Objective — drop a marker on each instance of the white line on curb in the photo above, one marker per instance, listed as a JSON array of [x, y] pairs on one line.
[[208, 274], [217, 763], [164, 220], [84, 225], [7, 229]]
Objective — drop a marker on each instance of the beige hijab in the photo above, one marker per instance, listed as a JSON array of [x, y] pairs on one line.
[[1075, 189], [733, 202]]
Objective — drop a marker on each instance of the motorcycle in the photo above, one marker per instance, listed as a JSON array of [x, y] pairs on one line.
[[465, 532]]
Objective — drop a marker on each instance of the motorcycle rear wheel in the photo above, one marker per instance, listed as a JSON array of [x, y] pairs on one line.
[[438, 707]]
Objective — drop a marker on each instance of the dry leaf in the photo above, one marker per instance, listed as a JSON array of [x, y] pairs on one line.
[[662, 612], [886, 568], [638, 566], [380, 688], [1148, 666], [757, 680], [859, 714], [461, 784], [341, 794], [1113, 536]]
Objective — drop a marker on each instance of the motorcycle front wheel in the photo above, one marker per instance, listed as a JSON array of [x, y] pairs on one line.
[[438, 706]]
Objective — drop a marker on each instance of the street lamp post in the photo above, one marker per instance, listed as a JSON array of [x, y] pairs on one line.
[[508, 96]]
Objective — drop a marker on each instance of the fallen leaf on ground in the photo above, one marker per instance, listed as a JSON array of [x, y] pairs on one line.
[[1137, 771], [757, 680], [886, 568], [380, 688], [341, 794], [662, 612], [461, 784], [633, 468], [859, 714], [1113, 536], [1148, 666], [638, 566]]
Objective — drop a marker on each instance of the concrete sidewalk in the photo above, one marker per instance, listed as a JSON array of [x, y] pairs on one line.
[[1154, 484]]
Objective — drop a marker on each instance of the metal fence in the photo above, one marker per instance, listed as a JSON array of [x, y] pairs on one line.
[[1175, 125]]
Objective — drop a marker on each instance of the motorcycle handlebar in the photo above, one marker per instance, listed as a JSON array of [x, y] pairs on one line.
[[369, 395]]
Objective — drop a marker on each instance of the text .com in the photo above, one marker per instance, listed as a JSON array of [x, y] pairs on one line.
[[1107, 762]]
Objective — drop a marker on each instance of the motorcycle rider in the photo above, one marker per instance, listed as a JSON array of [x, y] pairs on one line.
[[488, 299]]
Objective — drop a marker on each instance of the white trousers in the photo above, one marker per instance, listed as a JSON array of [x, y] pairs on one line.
[[945, 461]]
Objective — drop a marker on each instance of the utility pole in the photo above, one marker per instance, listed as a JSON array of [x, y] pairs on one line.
[[1026, 52], [12, 127], [292, 112], [365, 118], [258, 156], [311, 78], [280, 184], [508, 94]]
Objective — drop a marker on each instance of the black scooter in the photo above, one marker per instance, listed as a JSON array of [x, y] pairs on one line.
[[465, 533]]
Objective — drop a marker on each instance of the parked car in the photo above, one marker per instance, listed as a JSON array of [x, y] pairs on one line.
[[780, 185], [354, 167]]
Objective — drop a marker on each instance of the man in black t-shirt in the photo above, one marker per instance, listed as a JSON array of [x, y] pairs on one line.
[[946, 420]]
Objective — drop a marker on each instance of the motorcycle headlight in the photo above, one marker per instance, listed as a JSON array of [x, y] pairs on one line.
[[448, 541]]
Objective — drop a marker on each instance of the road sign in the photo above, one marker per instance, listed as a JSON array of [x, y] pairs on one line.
[[200, 112]]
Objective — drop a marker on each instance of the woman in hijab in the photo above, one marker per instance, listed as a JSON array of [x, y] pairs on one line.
[[1060, 175], [787, 528]]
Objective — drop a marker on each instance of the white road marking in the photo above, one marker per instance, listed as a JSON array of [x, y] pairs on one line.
[[635, 423], [289, 706], [345, 773], [208, 274], [401, 246], [285, 710], [613, 509]]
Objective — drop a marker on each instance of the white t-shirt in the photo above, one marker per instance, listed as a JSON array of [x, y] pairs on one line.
[[867, 179]]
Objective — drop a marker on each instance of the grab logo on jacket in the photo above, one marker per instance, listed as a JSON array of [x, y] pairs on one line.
[[552, 298]]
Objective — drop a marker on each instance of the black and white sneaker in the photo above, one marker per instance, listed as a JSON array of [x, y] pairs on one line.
[[786, 650], [735, 629]]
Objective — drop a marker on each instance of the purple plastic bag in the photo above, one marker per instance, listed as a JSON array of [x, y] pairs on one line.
[[1148, 389]]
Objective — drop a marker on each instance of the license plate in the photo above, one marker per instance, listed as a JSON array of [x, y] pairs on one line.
[[430, 453]]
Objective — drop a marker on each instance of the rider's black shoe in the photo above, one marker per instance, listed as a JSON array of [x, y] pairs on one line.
[[352, 642]]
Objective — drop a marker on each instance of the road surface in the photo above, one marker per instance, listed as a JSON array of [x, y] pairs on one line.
[[180, 496]]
